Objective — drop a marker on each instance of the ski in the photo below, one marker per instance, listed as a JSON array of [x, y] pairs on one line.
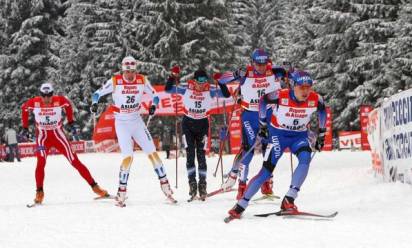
[[229, 219], [105, 197], [192, 198], [219, 191], [271, 197], [171, 199], [32, 205], [297, 213], [120, 204]]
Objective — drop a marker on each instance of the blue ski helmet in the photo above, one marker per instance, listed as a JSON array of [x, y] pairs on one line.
[[259, 56], [301, 78]]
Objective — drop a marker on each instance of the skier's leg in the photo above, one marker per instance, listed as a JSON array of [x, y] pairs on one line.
[[201, 143], [145, 141]]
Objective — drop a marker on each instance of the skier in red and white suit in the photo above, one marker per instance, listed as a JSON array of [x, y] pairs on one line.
[[47, 109]]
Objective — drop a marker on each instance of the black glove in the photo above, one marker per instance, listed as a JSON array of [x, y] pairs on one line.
[[239, 73], [94, 107], [320, 140], [263, 130], [25, 132], [152, 110]]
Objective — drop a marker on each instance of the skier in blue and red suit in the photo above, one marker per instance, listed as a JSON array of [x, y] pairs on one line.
[[259, 78], [288, 128]]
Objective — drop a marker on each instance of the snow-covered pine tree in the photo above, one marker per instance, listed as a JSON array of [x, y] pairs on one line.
[[243, 18], [28, 58], [91, 53], [366, 67], [277, 28], [399, 69]]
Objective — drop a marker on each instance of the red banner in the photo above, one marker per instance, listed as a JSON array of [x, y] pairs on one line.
[[329, 135], [235, 131], [104, 134], [168, 102], [364, 113], [29, 149]]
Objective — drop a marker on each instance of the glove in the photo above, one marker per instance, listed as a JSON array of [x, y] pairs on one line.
[[25, 132], [263, 130], [175, 71], [152, 110], [70, 128], [320, 140], [217, 75], [239, 73], [93, 108]]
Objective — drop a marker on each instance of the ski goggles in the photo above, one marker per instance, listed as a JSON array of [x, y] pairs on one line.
[[202, 79], [48, 94]]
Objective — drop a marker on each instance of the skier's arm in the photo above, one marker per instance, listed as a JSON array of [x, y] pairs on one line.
[[25, 111], [148, 89], [107, 88], [67, 108], [321, 113], [269, 98], [222, 92], [170, 88], [229, 76]]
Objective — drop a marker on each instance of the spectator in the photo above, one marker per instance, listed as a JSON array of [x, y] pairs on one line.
[[10, 138], [166, 141]]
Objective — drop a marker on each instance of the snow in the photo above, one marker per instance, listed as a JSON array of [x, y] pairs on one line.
[[372, 213]]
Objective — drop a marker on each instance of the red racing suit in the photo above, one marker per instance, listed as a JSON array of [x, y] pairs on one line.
[[49, 133]]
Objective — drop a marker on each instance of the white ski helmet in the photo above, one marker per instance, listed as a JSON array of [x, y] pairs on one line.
[[129, 64], [46, 89]]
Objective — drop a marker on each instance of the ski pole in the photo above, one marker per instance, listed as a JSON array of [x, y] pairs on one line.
[[148, 121], [226, 134]]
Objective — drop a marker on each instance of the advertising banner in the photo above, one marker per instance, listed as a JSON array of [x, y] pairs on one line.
[[374, 138], [364, 112], [396, 137], [235, 131], [168, 102], [329, 135], [349, 140]]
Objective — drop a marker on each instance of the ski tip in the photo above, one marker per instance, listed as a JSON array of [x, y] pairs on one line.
[[228, 219], [104, 197], [31, 205]]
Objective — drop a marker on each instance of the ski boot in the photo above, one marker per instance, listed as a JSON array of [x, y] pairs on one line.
[[230, 181], [192, 190], [288, 204], [121, 197], [39, 196], [202, 189], [266, 187], [102, 193], [165, 186], [234, 213], [241, 190]]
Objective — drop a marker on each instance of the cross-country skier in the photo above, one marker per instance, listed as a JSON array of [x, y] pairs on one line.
[[259, 78], [47, 109], [197, 100], [288, 129], [127, 90]]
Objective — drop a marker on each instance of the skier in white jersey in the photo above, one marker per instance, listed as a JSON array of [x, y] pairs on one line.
[[257, 80], [127, 90], [197, 100]]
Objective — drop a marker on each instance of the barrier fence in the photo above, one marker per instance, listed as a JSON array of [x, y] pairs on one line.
[[390, 137]]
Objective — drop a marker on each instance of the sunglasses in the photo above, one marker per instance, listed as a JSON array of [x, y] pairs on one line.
[[202, 79], [129, 63], [50, 94]]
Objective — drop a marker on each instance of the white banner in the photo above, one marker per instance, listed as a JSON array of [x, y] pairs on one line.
[[349, 140], [396, 136], [374, 139]]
